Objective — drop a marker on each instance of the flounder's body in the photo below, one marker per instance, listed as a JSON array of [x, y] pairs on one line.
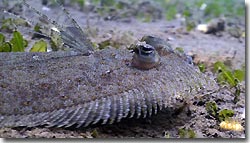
[[65, 89]]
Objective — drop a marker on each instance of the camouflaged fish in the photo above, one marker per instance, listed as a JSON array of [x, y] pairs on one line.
[[62, 89]]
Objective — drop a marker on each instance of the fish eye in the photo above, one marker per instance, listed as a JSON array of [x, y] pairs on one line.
[[143, 48], [145, 57], [147, 49]]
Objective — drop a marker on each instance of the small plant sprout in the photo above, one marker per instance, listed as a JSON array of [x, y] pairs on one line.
[[225, 114], [212, 108], [18, 43], [186, 133], [202, 67], [231, 77], [221, 115], [4, 46]]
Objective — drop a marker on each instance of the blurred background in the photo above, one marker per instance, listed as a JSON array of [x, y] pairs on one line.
[[199, 27]]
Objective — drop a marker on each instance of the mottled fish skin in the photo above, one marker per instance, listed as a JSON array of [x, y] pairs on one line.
[[52, 89]]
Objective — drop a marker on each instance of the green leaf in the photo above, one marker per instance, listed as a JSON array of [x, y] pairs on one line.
[[236, 95], [221, 79], [104, 44], [219, 66], [37, 28], [240, 11], [186, 13], [95, 133], [225, 114], [7, 24], [213, 9], [119, 5], [18, 43], [20, 22], [191, 133], [182, 133], [81, 3], [229, 78], [179, 49], [239, 74], [202, 67], [212, 108], [171, 12], [40, 46], [5, 47], [25, 43], [186, 133], [226, 75], [190, 25], [2, 38], [56, 41]]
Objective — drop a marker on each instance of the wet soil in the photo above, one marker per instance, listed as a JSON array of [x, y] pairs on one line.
[[205, 48]]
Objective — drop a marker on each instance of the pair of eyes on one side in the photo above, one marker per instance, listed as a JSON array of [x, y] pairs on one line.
[[148, 51]]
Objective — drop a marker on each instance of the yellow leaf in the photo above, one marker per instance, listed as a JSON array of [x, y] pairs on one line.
[[231, 125], [40, 46]]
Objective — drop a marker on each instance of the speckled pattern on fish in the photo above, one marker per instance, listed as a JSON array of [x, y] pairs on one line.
[[57, 90]]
